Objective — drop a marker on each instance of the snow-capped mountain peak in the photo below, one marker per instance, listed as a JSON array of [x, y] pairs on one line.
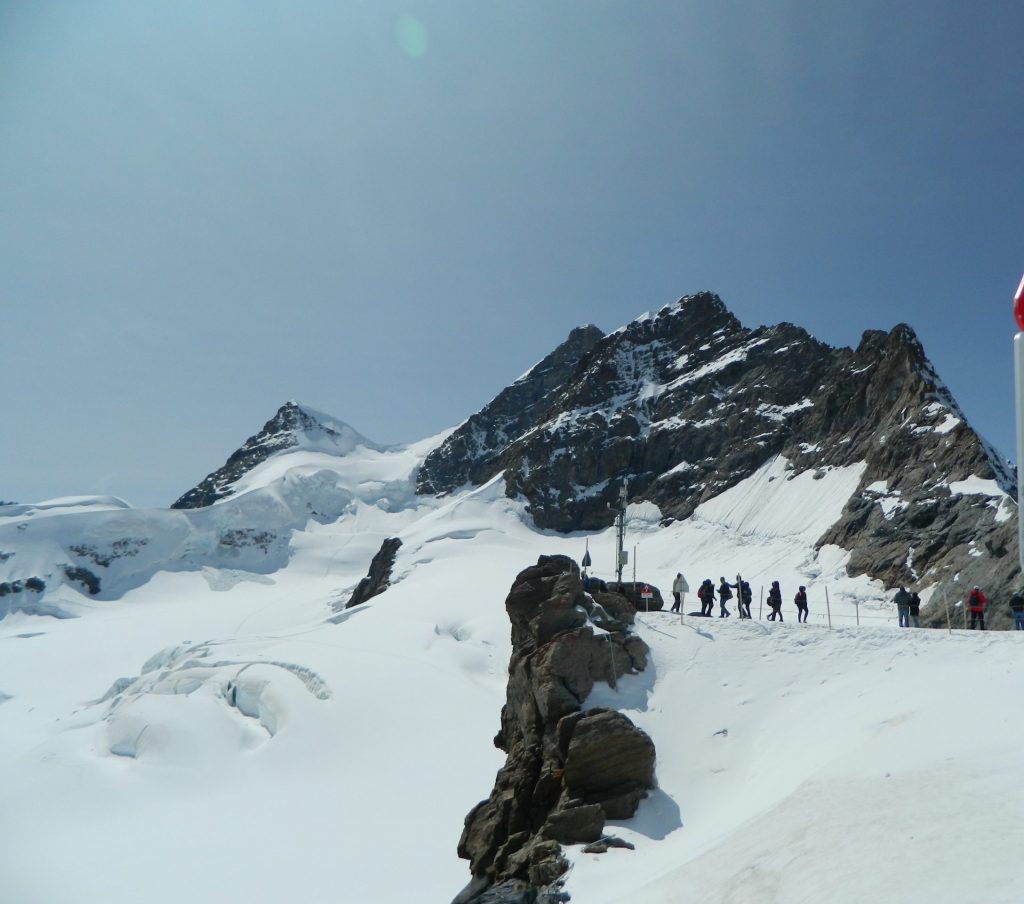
[[295, 426]]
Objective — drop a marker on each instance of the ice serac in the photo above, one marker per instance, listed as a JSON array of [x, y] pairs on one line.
[[293, 426], [474, 452], [568, 769], [686, 403]]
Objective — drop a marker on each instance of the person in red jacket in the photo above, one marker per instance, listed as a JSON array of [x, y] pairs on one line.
[[976, 606]]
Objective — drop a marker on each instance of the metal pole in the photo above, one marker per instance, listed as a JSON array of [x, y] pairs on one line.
[[945, 600], [620, 532], [1018, 372], [618, 548], [828, 608], [856, 608]]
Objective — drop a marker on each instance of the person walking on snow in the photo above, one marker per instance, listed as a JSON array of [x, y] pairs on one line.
[[743, 596], [915, 609], [679, 588], [746, 598], [724, 593], [1017, 608], [775, 601], [706, 594], [976, 606], [902, 601], [801, 604]]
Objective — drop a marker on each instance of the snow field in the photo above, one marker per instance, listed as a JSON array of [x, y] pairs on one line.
[[224, 731], [853, 765]]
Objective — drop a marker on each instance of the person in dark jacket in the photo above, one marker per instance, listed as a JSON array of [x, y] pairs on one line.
[[801, 604], [1017, 608], [706, 595], [902, 601], [724, 593], [976, 606], [775, 601], [746, 598], [744, 595], [915, 610]]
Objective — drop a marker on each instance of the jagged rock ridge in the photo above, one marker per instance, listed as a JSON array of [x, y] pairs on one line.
[[688, 402], [470, 452]]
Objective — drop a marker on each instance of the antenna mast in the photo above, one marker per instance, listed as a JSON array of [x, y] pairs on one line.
[[621, 556]]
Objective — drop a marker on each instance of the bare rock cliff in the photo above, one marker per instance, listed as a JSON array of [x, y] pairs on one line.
[[567, 769]]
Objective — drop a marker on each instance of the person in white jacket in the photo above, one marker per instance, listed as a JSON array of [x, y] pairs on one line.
[[679, 588]]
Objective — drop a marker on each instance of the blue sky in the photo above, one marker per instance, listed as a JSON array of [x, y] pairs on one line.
[[391, 210]]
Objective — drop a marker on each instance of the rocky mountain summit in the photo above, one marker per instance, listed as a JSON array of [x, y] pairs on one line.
[[293, 426], [678, 406], [567, 770], [688, 402]]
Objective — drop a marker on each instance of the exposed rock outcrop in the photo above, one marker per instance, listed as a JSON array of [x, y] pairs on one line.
[[472, 454], [567, 770], [644, 597], [378, 579], [688, 402]]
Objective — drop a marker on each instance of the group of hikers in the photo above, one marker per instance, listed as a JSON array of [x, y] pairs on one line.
[[908, 606], [908, 603], [744, 597]]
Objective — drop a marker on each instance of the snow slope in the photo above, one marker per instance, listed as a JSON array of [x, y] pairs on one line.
[[800, 764], [218, 727]]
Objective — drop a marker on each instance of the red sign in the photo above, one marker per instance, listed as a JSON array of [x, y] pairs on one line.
[[1018, 305]]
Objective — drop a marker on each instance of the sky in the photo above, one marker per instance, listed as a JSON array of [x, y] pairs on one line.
[[389, 211]]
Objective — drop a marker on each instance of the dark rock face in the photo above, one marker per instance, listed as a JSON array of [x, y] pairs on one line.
[[567, 770], [281, 432], [635, 594], [472, 454], [378, 579], [688, 402]]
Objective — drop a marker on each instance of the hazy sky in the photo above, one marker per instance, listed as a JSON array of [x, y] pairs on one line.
[[391, 210]]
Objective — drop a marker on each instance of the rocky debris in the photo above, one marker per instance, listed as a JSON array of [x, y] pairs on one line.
[[567, 770], [687, 402], [124, 548], [479, 891], [634, 592], [83, 576], [378, 579], [603, 845]]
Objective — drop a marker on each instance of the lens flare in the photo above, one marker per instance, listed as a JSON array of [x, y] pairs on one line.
[[412, 37]]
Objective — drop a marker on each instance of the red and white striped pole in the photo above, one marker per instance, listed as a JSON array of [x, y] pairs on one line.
[[1018, 367]]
